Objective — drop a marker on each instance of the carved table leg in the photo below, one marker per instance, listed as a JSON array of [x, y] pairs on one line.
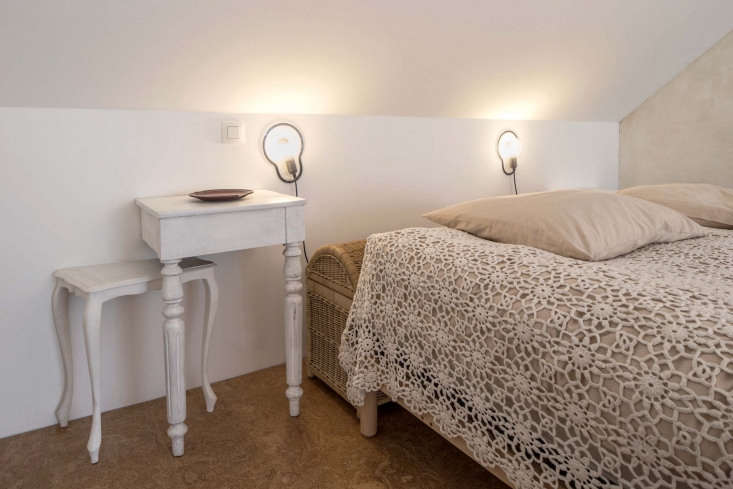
[[60, 308], [174, 338], [293, 326]]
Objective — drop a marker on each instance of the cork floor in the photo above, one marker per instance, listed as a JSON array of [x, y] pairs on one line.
[[249, 441]]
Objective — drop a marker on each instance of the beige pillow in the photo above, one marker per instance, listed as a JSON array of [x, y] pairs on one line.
[[709, 205], [585, 224]]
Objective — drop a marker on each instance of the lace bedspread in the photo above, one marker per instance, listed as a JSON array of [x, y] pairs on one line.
[[609, 374]]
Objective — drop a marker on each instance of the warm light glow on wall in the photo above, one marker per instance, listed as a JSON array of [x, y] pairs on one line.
[[521, 103], [292, 101], [519, 110], [286, 95]]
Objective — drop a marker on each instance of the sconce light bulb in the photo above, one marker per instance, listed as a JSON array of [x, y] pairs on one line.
[[508, 149], [291, 166], [509, 146]]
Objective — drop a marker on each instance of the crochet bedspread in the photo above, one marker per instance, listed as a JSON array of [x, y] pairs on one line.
[[609, 374]]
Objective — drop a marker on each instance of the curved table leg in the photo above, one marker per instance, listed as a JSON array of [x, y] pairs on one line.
[[212, 302], [92, 337], [293, 326], [60, 308], [174, 338]]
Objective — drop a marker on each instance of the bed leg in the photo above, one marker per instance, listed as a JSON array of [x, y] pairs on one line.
[[368, 415]]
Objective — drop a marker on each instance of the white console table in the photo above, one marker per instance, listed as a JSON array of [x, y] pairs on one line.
[[180, 226]]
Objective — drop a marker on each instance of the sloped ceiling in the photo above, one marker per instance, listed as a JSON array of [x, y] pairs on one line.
[[513, 59]]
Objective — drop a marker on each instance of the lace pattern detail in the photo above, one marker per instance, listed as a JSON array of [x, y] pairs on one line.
[[609, 374]]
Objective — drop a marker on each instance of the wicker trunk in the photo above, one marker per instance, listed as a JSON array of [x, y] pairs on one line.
[[332, 275]]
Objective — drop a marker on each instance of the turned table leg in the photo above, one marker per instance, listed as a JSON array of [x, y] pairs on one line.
[[293, 326], [174, 338]]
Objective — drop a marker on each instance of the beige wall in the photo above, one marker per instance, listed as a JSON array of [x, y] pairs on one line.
[[684, 132]]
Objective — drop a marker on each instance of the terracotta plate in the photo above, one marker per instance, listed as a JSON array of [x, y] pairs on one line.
[[221, 194]]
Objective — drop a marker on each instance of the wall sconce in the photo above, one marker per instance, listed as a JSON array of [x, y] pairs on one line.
[[282, 145], [508, 148]]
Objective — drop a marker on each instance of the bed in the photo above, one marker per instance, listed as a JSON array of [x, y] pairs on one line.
[[551, 371]]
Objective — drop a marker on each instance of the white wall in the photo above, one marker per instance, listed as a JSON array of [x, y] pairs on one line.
[[69, 177]]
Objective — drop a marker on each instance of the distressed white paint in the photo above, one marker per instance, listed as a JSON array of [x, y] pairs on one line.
[[179, 226], [523, 59], [69, 178], [293, 316], [175, 358], [97, 284]]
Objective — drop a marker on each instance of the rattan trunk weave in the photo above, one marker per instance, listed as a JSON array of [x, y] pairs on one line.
[[332, 275]]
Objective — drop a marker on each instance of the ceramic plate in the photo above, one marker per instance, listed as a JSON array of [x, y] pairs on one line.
[[221, 194]]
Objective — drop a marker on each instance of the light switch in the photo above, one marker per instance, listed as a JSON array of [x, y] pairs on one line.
[[231, 131]]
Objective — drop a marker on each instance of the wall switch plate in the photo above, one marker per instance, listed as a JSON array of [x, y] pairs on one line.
[[232, 131]]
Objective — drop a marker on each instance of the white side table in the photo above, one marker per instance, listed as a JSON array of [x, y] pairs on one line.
[[98, 284], [179, 226]]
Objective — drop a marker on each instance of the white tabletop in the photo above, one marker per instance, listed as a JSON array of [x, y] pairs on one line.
[[183, 205], [95, 278]]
